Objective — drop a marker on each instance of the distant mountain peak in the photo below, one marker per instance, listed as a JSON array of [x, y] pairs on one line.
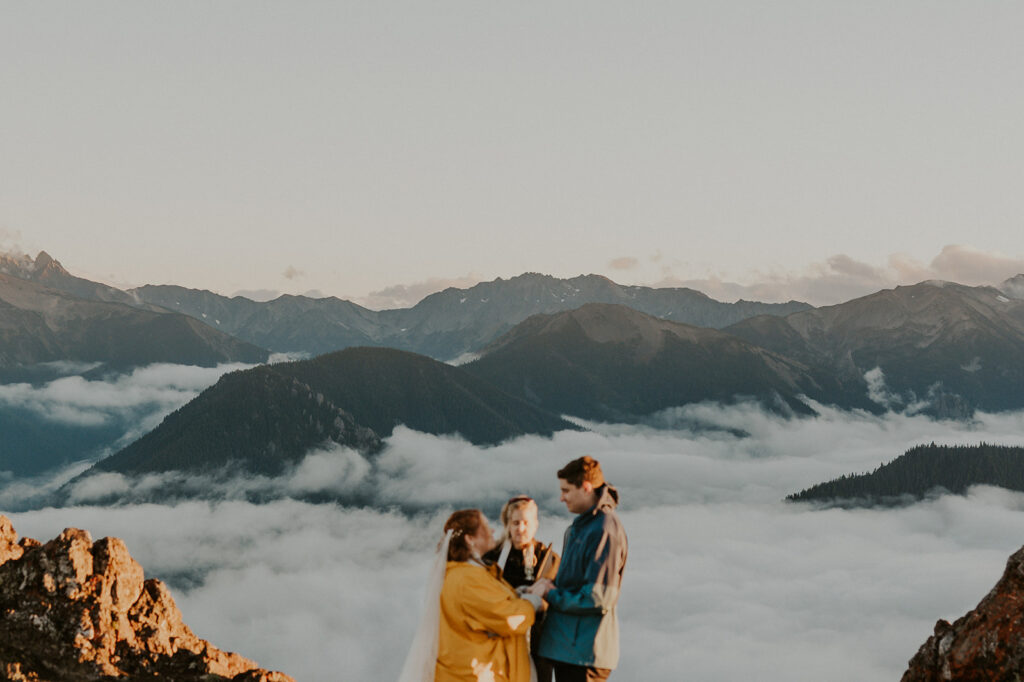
[[616, 323], [43, 260]]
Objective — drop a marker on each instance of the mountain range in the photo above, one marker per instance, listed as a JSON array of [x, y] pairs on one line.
[[541, 349], [40, 324], [938, 346], [444, 325]]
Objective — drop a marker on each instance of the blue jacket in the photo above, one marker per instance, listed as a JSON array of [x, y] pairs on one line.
[[581, 626]]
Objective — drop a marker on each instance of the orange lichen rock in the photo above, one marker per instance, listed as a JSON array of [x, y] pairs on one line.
[[986, 644], [74, 609]]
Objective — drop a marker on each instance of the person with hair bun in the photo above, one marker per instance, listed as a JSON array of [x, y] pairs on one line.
[[520, 560], [581, 628], [483, 621]]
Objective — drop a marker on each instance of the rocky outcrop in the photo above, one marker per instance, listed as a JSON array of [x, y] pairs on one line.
[[77, 610], [986, 644]]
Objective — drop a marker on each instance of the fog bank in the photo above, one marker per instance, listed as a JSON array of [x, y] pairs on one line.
[[724, 580]]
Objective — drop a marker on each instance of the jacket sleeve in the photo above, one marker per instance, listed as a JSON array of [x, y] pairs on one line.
[[490, 606], [598, 591]]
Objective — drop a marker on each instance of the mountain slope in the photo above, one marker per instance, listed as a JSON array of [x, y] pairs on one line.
[[958, 347], [40, 324], [258, 419], [267, 418], [50, 273], [610, 362], [383, 387]]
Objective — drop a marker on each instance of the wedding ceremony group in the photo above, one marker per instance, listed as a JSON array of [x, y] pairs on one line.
[[511, 609]]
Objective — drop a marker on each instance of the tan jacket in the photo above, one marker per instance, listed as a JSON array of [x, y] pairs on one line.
[[483, 628]]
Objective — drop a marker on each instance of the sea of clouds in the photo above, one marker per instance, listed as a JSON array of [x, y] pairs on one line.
[[725, 580]]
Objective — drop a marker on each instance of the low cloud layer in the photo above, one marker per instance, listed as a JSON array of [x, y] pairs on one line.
[[724, 580], [91, 402], [841, 278], [88, 418]]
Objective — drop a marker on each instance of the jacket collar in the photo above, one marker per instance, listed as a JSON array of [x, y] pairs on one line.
[[607, 499]]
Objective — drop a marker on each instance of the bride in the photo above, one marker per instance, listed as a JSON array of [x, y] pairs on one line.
[[475, 626]]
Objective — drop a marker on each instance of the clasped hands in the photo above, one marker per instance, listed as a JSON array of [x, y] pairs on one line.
[[541, 587]]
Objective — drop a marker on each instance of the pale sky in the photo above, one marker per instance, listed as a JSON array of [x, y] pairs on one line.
[[795, 148]]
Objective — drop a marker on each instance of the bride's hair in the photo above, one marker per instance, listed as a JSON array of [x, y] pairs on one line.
[[462, 523]]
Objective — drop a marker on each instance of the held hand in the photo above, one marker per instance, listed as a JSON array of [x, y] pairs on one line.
[[542, 587]]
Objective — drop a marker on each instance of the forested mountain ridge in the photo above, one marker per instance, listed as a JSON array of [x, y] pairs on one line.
[[268, 418], [924, 470]]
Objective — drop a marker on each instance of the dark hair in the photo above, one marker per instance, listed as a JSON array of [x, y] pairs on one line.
[[585, 468], [462, 523]]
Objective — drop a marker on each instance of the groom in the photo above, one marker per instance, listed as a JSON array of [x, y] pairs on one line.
[[581, 631]]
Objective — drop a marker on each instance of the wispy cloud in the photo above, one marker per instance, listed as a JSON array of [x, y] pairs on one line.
[[717, 561], [157, 388], [841, 277], [10, 243], [408, 295], [623, 263]]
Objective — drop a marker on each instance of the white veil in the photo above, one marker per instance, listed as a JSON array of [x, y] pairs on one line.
[[422, 659]]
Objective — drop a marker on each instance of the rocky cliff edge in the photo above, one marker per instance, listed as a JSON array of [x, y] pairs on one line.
[[986, 644], [74, 609]]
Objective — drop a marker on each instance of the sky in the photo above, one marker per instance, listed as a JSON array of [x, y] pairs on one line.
[[379, 151], [724, 579]]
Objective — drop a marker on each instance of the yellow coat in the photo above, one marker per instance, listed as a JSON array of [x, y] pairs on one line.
[[483, 628]]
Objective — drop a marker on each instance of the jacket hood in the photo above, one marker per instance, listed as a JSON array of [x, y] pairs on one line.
[[607, 498]]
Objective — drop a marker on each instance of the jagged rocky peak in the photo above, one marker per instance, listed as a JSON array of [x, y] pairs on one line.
[[77, 610], [43, 260], [985, 644], [24, 266]]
